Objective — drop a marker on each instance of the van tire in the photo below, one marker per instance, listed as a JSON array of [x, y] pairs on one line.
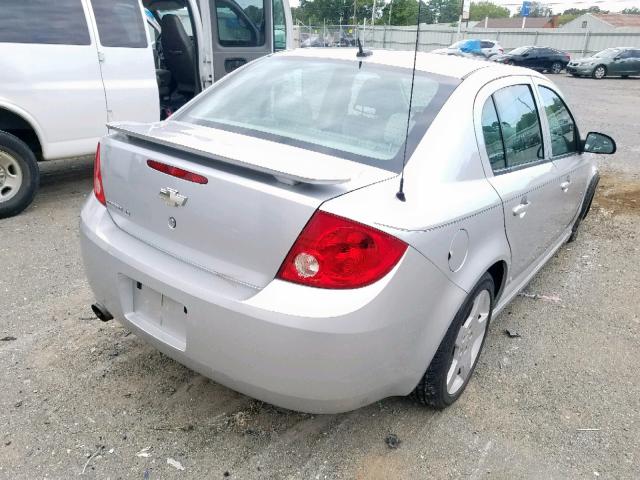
[[17, 160], [432, 389]]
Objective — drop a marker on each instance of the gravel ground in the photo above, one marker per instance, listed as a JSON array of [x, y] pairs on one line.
[[80, 397]]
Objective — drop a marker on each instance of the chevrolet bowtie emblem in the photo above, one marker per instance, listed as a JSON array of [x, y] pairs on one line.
[[172, 197]]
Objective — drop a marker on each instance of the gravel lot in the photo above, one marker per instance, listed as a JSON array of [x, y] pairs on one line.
[[80, 397]]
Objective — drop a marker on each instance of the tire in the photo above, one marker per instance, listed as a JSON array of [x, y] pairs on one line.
[[433, 389], [19, 175], [586, 206], [556, 67], [599, 72]]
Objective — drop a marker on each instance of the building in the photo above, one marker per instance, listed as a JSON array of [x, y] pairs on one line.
[[604, 22], [516, 22]]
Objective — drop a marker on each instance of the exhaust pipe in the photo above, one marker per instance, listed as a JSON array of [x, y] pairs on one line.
[[101, 312]]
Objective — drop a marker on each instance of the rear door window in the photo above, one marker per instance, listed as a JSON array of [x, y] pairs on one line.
[[120, 23], [519, 128], [493, 136], [485, 44], [240, 24], [62, 22]]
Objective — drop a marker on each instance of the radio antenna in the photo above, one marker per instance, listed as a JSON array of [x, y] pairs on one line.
[[400, 194]]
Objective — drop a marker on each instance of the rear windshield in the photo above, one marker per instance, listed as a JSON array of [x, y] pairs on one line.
[[338, 107]]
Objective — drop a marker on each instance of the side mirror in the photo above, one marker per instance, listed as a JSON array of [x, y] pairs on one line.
[[599, 143]]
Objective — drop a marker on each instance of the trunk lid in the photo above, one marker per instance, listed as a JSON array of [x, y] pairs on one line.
[[241, 224]]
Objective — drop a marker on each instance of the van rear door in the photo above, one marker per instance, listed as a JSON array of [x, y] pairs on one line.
[[126, 61], [242, 30]]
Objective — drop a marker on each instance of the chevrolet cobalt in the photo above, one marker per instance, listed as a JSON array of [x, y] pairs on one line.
[[320, 230]]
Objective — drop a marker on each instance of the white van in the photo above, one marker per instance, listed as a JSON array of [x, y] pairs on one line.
[[70, 66]]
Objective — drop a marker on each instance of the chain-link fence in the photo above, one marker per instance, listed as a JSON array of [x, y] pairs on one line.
[[577, 44]]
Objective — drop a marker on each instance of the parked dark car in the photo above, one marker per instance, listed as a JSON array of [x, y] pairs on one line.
[[536, 58], [609, 62]]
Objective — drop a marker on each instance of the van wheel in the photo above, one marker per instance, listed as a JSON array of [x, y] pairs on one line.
[[19, 175], [458, 353]]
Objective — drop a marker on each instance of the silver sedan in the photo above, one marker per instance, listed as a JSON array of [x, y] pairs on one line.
[[263, 237]]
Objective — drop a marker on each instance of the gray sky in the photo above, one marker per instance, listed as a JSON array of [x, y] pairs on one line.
[[558, 6]]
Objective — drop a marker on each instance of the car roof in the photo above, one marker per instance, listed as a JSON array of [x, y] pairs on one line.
[[447, 65]]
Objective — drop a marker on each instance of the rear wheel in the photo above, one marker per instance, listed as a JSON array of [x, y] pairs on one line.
[[600, 72], [19, 175], [458, 353], [556, 67]]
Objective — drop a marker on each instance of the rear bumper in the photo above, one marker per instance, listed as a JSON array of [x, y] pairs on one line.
[[301, 348]]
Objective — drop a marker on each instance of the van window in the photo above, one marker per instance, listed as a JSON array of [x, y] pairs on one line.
[[42, 21], [120, 23], [279, 26], [240, 24]]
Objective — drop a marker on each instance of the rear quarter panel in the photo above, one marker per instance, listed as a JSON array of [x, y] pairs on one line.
[[447, 194]]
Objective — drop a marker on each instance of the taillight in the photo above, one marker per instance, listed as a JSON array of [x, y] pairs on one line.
[[334, 252], [501, 50], [98, 189], [177, 172]]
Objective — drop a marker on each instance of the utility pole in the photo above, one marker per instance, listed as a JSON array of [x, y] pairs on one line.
[[373, 14]]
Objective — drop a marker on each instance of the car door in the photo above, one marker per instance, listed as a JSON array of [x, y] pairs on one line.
[[573, 170], [126, 61], [511, 145], [550, 57], [621, 64], [241, 31], [635, 64], [530, 58], [487, 47]]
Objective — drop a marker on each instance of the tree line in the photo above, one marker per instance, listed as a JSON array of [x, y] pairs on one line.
[[405, 12]]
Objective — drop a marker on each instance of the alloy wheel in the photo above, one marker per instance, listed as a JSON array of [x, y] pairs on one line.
[[556, 67], [10, 176], [599, 72], [468, 342]]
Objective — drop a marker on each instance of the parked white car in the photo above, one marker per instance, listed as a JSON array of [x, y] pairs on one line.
[[489, 48], [70, 66]]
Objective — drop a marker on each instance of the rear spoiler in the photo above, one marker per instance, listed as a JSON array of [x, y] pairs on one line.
[[289, 165]]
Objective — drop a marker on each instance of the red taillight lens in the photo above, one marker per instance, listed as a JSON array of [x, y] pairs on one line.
[[501, 50], [98, 189], [334, 252], [177, 172]]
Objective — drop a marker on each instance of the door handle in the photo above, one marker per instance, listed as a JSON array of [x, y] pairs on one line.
[[521, 209], [565, 185]]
